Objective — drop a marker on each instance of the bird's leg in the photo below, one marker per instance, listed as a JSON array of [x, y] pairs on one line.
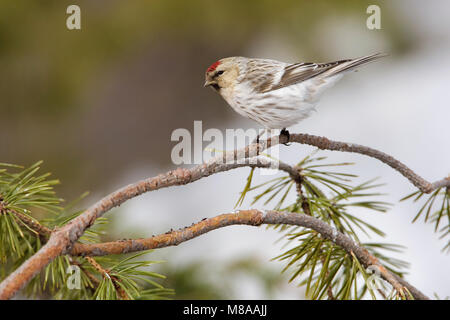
[[258, 136], [285, 133], [257, 140]]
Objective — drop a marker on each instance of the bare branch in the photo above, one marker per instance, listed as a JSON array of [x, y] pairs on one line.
[[252, 218], [327, 144], [62, 239]]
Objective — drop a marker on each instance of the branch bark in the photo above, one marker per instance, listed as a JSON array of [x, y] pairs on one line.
[[62, 239], [327, 144], [252, 218]]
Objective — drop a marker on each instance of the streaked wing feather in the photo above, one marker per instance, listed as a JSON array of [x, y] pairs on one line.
[[298, 72], [263, 74]]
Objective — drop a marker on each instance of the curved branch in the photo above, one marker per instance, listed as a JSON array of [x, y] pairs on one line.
[[61, 240], [327, 144], [252, 218]]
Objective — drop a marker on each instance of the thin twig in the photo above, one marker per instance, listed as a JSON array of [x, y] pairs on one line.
[[31, 224], [298, 179], [94, 281], [107, 275], [329, 287]]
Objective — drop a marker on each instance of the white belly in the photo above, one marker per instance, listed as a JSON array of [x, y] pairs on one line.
[[283, 107]]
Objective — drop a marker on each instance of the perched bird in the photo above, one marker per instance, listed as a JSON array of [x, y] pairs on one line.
[[276, 94]]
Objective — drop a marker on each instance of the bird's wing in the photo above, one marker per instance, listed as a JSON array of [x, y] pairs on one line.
[[262, 74], [298, 72]]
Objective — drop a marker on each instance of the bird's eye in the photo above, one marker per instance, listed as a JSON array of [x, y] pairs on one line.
[[220, 72]]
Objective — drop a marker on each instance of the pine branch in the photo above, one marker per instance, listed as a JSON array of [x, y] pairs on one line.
[[30, 223], [435, 209], [252, 218], [91, 277], [62, 239], [327, 144], [106, 275]]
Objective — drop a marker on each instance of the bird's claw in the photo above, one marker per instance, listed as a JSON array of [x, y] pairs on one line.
[[286, 134]]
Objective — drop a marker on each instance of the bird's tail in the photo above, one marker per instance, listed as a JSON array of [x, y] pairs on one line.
[[351, 64]]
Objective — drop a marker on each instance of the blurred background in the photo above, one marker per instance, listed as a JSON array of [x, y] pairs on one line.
[[99, 104]]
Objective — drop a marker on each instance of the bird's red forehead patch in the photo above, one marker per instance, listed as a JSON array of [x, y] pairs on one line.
[[213, 66]]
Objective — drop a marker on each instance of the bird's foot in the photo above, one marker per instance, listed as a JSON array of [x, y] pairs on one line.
[[285, 133]]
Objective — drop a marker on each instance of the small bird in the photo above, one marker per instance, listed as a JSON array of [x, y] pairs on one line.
[[273, 93]]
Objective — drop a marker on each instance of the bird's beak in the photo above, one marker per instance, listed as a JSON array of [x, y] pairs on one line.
[[207, 83]]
